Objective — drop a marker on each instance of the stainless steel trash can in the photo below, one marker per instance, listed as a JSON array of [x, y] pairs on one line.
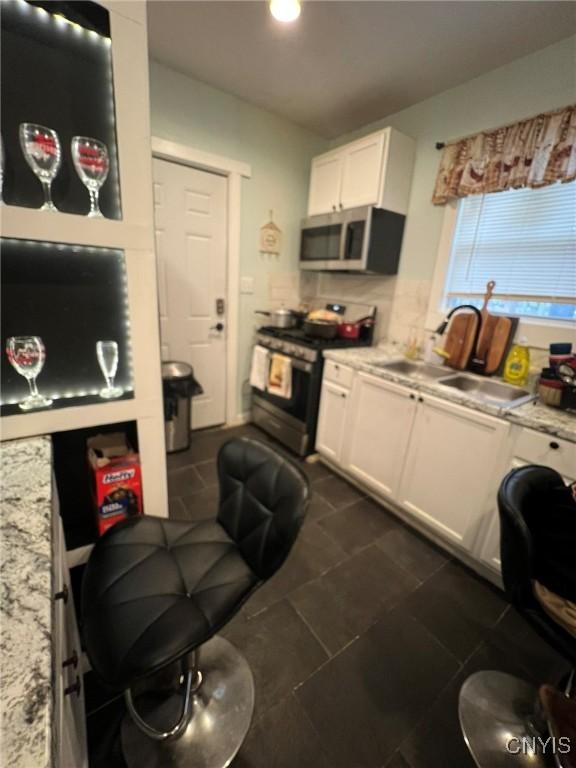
[[179, 387]]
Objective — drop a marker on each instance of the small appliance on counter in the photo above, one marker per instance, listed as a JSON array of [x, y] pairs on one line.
[[292, 420], [557, 385]]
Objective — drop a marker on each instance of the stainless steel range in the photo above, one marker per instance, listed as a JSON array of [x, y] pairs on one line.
[[293, 420]]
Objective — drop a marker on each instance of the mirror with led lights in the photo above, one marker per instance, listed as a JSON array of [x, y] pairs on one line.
[[67, 305], [58, 114]]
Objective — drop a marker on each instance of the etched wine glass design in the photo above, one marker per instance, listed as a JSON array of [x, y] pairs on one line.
[[92, 164], [41, 148], [107, 354], [26, 355]]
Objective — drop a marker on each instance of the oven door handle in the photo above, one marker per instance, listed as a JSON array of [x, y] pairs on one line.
[[301, 365]]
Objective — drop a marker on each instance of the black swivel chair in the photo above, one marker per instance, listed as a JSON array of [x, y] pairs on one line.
[[155, 590], [497, 709]]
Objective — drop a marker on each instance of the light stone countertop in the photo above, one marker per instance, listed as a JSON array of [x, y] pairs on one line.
[[552, 421], [26, 691]]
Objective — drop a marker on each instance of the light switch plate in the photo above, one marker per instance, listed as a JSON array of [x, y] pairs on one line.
[[246, 285]]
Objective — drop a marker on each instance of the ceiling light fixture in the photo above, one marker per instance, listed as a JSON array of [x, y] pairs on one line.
[[285, 10]]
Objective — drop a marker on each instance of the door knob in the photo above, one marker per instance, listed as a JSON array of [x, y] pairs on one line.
[[218, 327]]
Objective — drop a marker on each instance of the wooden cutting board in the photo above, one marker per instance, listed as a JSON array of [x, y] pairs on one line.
[[489, 323], [460, 339], [500, 342]]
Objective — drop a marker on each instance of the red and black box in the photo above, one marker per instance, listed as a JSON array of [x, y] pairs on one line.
[[116, 479]]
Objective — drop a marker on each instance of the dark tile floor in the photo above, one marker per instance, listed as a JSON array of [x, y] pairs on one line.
[[359, 644]]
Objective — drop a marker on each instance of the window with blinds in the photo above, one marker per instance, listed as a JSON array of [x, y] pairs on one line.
[[525, 240]]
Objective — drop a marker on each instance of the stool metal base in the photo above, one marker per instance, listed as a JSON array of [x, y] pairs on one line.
[[221, 714], [497, 716]]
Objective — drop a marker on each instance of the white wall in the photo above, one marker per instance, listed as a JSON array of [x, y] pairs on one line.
[[536, 83], [279, 152]]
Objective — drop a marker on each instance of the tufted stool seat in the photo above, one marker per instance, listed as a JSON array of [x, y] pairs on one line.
[[155, 590], [501, 715]]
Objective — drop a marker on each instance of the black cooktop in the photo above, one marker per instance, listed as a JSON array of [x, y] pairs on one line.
[[297, 336]]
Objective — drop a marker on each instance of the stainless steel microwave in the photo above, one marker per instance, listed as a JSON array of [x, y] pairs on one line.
[[363, 239]]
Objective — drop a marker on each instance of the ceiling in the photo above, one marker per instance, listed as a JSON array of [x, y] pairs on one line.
[[347, 63]]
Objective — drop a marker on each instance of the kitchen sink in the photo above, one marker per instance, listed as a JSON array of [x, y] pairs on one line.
[[504, 395], [415, 370]]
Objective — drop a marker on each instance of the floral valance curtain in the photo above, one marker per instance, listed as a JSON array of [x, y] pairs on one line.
[[532, 153]]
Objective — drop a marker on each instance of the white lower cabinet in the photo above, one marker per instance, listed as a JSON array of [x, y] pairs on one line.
[[69, 712], [377, 432], [438, 461], [332, 420], [449, 471], [528, 447]]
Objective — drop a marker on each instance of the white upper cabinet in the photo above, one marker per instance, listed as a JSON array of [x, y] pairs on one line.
[[449, 479], [325, 183], [378, 432], [362, 171], [374, 170]]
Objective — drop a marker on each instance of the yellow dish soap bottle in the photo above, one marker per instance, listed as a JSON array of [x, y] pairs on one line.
[[517, 366]]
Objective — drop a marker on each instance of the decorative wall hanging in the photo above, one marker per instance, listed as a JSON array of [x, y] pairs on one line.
[[270, 237]]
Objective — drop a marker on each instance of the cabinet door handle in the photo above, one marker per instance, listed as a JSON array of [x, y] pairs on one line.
[[74, 688], [336, 367], [420, 399], [412, 397], [343, 394], [63, 595], [333, 207], [72, 661], [554, 445], [341, 206]]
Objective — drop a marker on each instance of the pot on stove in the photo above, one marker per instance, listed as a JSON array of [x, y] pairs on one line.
[[352, 330], [283, 318]]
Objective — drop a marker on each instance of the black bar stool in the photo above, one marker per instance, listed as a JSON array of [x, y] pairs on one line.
[[156, 592], [500, 715]]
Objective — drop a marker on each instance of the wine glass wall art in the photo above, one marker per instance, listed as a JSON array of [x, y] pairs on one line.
[[26, 355], [92, 164], [41, 148], [107, 354]]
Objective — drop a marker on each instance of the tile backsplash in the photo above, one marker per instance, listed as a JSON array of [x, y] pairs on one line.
[[353, 289], [284, 290], [401, 303]]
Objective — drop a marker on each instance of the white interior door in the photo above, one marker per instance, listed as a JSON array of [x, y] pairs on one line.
[[190, 208]]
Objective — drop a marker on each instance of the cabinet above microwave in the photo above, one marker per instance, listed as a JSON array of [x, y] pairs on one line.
[[375, 170]]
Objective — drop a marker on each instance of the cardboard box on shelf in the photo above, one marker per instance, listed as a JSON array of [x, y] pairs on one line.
[[116, 479]]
